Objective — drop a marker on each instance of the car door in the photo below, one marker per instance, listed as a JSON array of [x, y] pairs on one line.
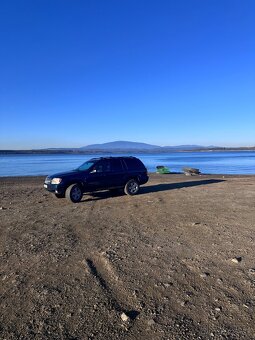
[[96, 178], [114, 173]]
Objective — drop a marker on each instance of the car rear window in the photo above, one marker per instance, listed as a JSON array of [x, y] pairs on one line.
[[134, 164]]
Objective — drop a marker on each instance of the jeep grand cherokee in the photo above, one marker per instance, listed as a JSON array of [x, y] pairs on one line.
[[105, 173]]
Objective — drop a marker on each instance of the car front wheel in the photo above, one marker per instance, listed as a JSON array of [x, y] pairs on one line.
[[74, 193], [131, 187]]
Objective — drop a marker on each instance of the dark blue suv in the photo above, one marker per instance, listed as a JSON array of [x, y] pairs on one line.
[[105, 173]]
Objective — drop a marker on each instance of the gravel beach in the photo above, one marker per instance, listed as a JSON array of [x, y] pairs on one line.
[[176, 261]]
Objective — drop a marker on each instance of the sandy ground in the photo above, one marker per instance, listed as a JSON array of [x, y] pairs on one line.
[[163, 258]]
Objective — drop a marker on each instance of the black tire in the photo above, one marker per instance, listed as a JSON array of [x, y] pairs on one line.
[[132, 187], [74, 193], [60, 195]]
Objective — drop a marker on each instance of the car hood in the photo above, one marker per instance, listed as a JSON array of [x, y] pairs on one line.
[[67, 173]]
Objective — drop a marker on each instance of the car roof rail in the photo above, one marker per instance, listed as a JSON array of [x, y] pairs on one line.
[[110, 157]]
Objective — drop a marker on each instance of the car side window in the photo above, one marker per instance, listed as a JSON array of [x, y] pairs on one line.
[[100, 167], [107, 166], [116, 165]]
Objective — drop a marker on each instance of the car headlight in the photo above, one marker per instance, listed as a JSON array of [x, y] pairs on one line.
[[56, 180]]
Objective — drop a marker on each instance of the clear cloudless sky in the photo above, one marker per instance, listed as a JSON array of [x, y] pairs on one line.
[[164, 72]]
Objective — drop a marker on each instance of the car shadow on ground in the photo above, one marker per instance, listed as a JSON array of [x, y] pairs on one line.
[[180, 185], [99, 195]]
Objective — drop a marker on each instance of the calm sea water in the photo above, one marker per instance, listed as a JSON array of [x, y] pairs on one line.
[[208, 162]]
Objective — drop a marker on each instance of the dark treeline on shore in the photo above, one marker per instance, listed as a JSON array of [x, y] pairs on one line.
[[119, 151]]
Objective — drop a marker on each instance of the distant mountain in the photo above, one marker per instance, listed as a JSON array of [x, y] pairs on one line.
[[189, 147], [125, 145], [184, 147], [58, 149], [120, 145]]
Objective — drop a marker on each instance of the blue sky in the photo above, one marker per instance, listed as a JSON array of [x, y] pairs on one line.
[[91, 71]]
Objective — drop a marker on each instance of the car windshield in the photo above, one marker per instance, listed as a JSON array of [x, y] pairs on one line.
[[85, 166]]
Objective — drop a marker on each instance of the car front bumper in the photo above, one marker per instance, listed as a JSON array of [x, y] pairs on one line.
[[56, 188]]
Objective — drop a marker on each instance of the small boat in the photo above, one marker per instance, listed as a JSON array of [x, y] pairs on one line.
[[161, 169], [191, 171]]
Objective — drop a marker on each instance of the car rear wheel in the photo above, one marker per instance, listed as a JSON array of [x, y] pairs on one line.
[[131, 187], [74, 193]]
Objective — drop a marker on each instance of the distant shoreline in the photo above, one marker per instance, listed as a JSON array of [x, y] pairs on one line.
[[120, 151]]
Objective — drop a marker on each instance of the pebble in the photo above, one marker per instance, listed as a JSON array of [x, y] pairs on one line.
[[195, 223], [252, 270], [151, 322], [236, 259], [204, 275], [218, 309], [2, 208], [124, 317], [142, 304]]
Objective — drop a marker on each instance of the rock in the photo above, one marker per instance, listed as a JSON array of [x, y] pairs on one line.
[[191, 171], [151, 322], [195, 223], [204, 275], [189, 294], [142, 304], [218, 309], [236, 259], [252, 270], [124, 317], [2, 208]]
